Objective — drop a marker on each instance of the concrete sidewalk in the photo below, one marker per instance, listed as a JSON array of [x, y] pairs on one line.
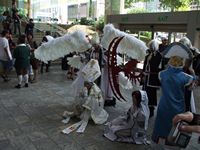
[[30, 118]]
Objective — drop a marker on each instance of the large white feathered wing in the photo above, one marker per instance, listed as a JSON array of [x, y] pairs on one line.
[[129, 45], [61, 46], [75, 62]]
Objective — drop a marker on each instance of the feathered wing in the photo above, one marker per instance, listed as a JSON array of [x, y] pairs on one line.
[[75, 62], [127, 87], [129, 45], [61, 46]]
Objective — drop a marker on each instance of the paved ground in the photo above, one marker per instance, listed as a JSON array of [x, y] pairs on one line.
[[30, 118]]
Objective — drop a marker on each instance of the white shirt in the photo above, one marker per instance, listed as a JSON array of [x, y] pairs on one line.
[[4, 44], [49, 38]]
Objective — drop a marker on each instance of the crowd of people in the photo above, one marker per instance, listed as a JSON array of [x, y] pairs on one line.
[[20, 55], [174, 75]]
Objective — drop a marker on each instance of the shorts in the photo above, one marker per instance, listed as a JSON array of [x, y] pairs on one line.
[[7, 64]]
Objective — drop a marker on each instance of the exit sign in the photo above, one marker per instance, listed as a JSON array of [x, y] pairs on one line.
[[162, 18]]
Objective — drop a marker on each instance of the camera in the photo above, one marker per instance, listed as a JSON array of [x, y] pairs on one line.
[[177, 137]]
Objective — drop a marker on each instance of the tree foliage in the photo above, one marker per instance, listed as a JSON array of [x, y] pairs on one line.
[[176, 4], [137, 10], [129, 3], [100, 24]]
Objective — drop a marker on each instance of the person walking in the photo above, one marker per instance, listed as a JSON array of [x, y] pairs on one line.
[[33, 61], [22, 61], [5, 55]]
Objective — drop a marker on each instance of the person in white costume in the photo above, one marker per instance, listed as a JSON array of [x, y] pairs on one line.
[[88, 101], [132, 127]]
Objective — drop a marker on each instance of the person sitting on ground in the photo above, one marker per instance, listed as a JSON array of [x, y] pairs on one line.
[[89, 105], [88, 100], [132, 127]]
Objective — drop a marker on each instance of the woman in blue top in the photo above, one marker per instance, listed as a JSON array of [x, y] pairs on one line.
[[173, 81]]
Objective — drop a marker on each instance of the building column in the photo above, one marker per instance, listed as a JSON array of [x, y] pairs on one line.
[[113, 7]]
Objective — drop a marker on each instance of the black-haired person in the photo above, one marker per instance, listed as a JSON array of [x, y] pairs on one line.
[[22, 61], [33, 61], [44, 40], [47, 38], [17, 23], [5, 54], [132, 127], [29, 27], [7, 22]]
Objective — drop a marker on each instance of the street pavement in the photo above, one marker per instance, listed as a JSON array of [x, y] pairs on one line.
[[30, 118]]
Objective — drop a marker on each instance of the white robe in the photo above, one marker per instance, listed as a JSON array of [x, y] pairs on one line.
[[105, 85], [130, 128], [88, 105]]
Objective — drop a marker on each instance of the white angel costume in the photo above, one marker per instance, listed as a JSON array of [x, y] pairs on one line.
[[129, 46], [87, 104], [105, 86], [61, 46], [132, 127]]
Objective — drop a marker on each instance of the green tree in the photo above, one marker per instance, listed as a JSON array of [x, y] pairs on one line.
[[100, 24], [137, 10], [129, 3], [175, 5]]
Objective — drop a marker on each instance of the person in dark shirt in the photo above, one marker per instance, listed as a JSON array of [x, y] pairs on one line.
[[17, 23], [161, 48], [29, 27], [7, 22], [151, 68], [163, 45]]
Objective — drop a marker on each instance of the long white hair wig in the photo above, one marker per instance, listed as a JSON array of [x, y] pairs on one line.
[[185, 41], [153, 45]]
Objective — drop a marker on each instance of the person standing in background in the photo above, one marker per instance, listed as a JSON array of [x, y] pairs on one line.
[[151, 68], [29, 27], [162, 47], [33, 61], [17, 23], [49, 38], [7, 22]]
